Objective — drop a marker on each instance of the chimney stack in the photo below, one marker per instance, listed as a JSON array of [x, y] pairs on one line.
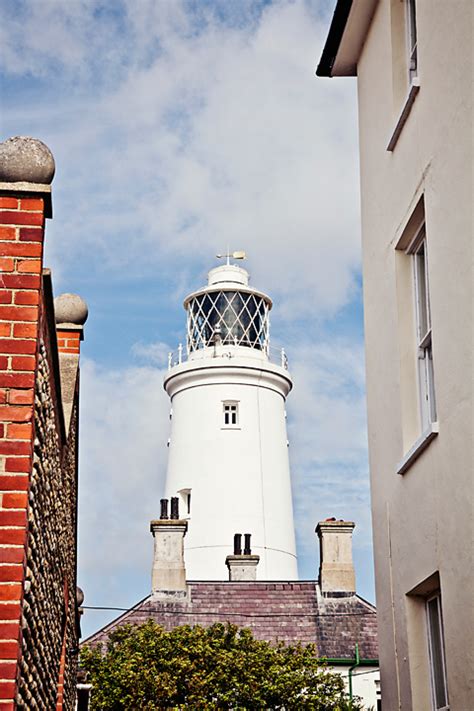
[[336, 568], [242, 567], [168, 578]]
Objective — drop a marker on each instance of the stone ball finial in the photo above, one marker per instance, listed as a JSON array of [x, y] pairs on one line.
[[79, 596], [24, 159], [70, 308]]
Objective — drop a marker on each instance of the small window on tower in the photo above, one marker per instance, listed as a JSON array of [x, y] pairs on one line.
[[231, 414], [185, 503]]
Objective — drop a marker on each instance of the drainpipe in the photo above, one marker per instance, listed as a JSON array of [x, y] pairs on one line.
[[351, 669]]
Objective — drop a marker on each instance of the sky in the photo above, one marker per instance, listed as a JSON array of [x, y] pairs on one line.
[[179, 128]]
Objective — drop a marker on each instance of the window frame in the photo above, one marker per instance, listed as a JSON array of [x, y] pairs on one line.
[[185, 502], [412, 40], [424, 341], [230, 412], [416, 435], [440, 652]]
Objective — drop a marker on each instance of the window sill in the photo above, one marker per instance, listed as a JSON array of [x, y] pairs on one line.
[[419, 446], [405, 112]]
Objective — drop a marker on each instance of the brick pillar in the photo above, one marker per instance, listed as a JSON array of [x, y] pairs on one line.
[[23, 208], [69, 340], [70, 314]]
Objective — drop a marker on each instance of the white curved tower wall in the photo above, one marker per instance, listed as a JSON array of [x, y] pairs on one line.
[[230, 466]]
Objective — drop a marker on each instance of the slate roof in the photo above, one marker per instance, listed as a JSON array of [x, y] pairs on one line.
[[288, 611]]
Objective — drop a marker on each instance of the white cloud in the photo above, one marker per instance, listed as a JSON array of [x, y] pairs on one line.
[[155, 353], [180, 128], [329, 393], [124, 429], [200, 133], [328, 451]]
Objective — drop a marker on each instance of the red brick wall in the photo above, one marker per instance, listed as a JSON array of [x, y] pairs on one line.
[[21, 253], [38, 476], [69, 341]]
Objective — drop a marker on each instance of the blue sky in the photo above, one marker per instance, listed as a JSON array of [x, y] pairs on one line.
[[179, 128]]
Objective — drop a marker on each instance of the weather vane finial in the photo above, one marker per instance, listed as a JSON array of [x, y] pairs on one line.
[[234, 255]]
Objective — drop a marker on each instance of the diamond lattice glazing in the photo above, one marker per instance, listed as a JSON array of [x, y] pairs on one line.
[[234, 317]]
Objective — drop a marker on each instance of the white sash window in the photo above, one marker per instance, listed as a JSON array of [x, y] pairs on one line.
[[423, 331]]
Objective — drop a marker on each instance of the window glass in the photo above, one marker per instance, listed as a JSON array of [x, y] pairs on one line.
[[430, 384], [240, 317], [412, 39], [437, 661], [423, 331], [230, 413], [422, 291]]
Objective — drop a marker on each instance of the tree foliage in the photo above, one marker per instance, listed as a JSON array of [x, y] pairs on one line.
[[144, 667]]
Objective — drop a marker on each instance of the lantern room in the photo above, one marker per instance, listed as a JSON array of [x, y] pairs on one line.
[[228, 311]]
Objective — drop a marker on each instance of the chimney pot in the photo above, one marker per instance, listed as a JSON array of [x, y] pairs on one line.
[[237, 544], [163, 509], [247, 549], [174, 507]]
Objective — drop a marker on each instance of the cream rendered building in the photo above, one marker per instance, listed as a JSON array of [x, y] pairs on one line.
[[413, 61]]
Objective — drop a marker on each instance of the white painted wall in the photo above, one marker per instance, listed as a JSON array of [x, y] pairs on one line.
[[422, 520], [364, 683], [239, 477]]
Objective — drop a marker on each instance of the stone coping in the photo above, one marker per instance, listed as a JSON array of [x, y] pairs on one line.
[[29, 189]]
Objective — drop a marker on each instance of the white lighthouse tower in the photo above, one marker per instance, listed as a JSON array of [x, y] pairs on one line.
[[228, 450]]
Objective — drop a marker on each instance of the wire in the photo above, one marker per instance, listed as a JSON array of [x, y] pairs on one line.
[[229, 614]]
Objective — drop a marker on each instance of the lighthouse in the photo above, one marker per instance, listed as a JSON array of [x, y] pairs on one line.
[[228, 449]]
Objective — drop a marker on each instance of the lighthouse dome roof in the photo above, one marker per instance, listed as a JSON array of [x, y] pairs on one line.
[[228, 274], [228, 278]]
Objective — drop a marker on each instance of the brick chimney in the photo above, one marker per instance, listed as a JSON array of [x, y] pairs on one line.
[[336, 569], [168, 578], [242, 566]]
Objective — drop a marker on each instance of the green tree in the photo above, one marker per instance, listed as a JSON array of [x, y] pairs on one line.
[[144, 667]]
